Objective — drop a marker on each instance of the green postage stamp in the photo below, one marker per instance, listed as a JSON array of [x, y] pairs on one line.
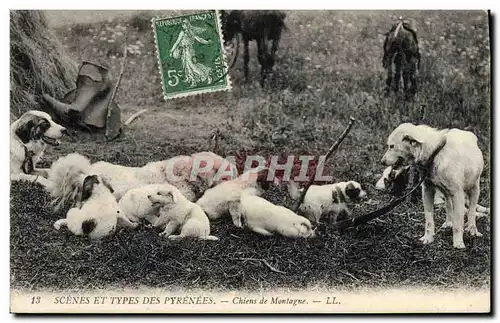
[[191, 54]]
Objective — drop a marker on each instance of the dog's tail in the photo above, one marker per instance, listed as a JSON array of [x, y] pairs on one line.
[[294, 190], [65, 179]]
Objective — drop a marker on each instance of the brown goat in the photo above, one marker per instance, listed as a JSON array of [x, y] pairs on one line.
[[259, 25], [401, 48]]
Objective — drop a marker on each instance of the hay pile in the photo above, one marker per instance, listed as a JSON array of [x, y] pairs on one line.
[[38, 62]]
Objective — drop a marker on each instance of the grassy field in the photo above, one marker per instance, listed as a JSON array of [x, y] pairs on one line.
[[329, 62]]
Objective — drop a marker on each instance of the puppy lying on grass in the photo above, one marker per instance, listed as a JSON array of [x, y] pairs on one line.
[[96, 213], [136, 205], [395, 180], [265, 218], [329, 199], [215, 201], [177, 213]]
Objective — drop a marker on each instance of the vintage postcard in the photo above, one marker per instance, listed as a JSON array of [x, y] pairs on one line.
[[261, 161]]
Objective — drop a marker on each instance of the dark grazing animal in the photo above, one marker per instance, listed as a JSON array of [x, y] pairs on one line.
[[262, 26], [401, 49]]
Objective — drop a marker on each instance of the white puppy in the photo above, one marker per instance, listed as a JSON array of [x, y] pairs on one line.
[[396, 180], [29, 136], [327, 199], [265, 218], [96, 213], [179, 214], [215, 201], [452, 162], [136, 205]]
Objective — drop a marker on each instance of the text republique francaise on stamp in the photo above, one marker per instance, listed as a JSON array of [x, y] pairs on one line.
[[191, 54]]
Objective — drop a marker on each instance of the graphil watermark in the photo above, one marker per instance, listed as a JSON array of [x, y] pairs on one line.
[[205, 167]]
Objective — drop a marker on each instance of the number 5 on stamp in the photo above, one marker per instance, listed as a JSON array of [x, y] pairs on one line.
[[190, 54]]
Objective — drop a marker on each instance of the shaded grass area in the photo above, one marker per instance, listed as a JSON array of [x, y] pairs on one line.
[[329, 62]]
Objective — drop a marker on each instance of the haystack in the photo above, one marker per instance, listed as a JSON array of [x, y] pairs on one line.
[[38, 62]]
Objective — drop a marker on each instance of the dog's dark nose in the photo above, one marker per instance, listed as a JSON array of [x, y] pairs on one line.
[[149, 196]]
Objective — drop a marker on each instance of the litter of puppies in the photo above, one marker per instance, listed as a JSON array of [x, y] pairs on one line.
[[181, 195]]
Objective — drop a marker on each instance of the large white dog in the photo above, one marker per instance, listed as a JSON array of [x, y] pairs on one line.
[[265, 218], [29, 136], [178, 171], [95, 212], [452, 162]]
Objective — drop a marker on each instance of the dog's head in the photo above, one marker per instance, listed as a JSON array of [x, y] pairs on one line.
[[354, 192], [163, 197], [37, 125], [403, 145], [305, 228], [393, 179]]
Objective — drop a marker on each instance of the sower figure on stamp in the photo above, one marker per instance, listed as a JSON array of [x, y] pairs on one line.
[[183, 48], [401, 48]]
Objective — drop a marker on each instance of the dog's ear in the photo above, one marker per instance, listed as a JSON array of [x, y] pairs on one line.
[[41, 126], [33, 129], [352, 191], [107, 184], [411, 140], [307, 225], [169, 195], [235, 211], [262, 178], [88, 226], [88, 186], [23, 132]]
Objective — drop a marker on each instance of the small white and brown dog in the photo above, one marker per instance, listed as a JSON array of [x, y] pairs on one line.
[[136, 204], [29, 137], [215, 201], [328, 199], [395, 180], [452, 162], [95, 212], [178, 214], [265, 218]]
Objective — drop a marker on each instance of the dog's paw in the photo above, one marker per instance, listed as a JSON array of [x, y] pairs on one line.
[[174, 237], [481, 214], [134, 225], [473, 231], [458, 245], [446, 225], [58, 224], [211, 238], [426, 239]]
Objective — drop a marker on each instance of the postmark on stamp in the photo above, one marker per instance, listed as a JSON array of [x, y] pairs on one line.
[[190, 54]]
